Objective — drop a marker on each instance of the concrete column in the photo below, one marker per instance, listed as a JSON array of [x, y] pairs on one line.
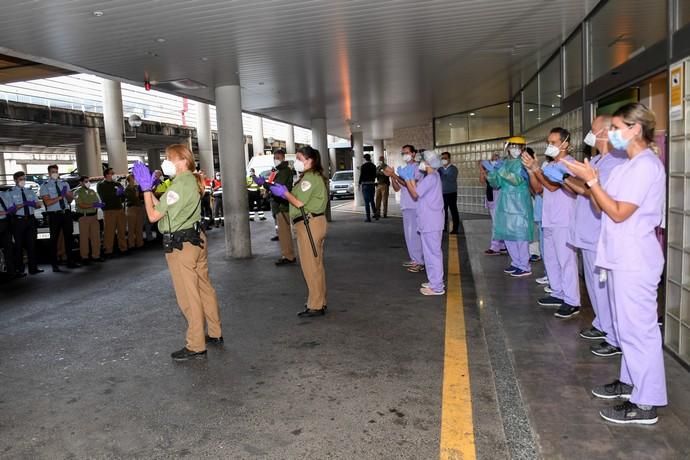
[[204, 139], [258, 137], [154, 159], [319, 140], [378, 150], [113, 120], [357, 153], [232, 169], [290, 141], [332, 157], [3, 170], [246, 152], [89, 154]]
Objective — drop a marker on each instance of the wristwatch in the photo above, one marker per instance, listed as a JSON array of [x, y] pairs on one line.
[[591, 183]]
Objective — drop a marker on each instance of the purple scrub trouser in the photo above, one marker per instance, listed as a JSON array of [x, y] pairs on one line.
[[634, 307], [560, 260], [496, 245], [412, 239], [519, 254], [433, 256], [598, 297]]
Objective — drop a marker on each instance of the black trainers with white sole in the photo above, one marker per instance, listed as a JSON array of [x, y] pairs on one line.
[[629, 413], [613, 390], [605, 350], [550, 301], [567, 311], [592, 333]]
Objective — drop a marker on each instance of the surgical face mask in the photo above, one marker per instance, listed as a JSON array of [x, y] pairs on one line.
[[407, 157], [444, 162], [21, 183], [422, 166], [552, 151], [87, 184], [277, 162], [299, 166], [617, 139], [590, 139], [217, 176], [169, 168], [514, 152], [54, 176]]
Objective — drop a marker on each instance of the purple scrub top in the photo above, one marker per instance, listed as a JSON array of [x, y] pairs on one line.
[[559, 206], [430, 203], [406, 201], [586, 225], [632, 245]]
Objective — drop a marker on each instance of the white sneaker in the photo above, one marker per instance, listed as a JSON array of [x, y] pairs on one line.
[[409, 263], [542, 280], [548, 289], [426, 285], [429, 291]]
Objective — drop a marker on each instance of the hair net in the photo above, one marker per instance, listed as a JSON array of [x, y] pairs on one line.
[[432, 159]]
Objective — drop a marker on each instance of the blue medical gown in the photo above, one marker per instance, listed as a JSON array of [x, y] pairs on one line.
[[513, 220]]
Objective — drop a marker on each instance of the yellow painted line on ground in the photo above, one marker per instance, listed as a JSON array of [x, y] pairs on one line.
[[457, 428]]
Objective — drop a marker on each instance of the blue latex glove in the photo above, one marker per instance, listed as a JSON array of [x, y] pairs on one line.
[[498, 164], [98, 205], [143, 177], [279, 190], [486, 164], [554, 174], [406, 173], [258, 180], [30, 203], [64, 191], [119, 190], [562, 168]]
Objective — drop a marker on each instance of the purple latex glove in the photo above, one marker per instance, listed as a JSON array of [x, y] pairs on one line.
[[30, 203], [143, 176], [258, 180], [64, 191], [98, 205], [119, 190], [279, 190], [12, 209]]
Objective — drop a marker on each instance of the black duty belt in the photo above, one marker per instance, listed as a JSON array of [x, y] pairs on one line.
[[177, 239], [310, 215], [62, 211]]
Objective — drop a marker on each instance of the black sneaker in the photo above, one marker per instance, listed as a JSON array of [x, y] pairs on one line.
[[275, 238], [629, 413], [613, 390], [550, 301], [605, 349], [186, 354], [567, 311], [285, 261], [214, 340], [308, 313], [592, 333]]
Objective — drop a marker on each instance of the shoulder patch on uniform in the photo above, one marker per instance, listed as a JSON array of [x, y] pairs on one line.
[[172, 197], [305, 185]]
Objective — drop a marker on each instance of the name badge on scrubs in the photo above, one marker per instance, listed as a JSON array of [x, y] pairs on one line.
[[603, 275]]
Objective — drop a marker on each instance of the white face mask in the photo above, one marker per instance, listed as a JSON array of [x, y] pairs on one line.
[[590, 139], [445, 162], [87, 184], [552, 151], [54, 176], [514, 152], [407, 158], [169, 168], [299, 166], [422, 166], [277, 162], [21, 183]]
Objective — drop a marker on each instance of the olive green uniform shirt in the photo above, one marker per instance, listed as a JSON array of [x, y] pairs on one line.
[[180, 204], [87, 197], [310, 190]]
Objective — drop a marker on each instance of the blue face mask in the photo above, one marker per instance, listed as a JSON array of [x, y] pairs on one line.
[[617, 139]]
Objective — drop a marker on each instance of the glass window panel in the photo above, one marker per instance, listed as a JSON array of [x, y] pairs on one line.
[[550, 89], [531, 104], [683, 13], [490, 122], [573, 64], [618, 34], [452, 129]]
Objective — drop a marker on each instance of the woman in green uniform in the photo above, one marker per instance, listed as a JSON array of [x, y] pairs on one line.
[[178, 213], [309, 194]]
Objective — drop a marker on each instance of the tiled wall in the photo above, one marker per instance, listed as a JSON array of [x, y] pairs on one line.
[[422, 137], [572, 121]]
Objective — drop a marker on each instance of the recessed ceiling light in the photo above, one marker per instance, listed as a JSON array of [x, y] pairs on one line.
[[558, 95], [472, 114], [98, 14], [531, 110], [359, 126], [204, 59], [160, 40], [508, 106]]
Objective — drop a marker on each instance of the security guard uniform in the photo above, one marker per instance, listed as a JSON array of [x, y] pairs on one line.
[[114, 219], [254, 196], [312, 191], [89, 228], [24, 228], [59, 220], [187, 257], [135, 216], [6, 232], [284, 175]]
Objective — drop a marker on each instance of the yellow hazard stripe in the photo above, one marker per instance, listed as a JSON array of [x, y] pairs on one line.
[[457, 428]]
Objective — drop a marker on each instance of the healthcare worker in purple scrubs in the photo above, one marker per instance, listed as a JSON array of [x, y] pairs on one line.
[[560, 258], [428, 193], [632, 201], [408, 206], [584, 235]]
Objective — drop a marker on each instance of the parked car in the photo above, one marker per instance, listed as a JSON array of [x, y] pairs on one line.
[[342, 185]]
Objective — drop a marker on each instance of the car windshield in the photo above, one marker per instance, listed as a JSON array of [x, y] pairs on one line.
[[343, 176]]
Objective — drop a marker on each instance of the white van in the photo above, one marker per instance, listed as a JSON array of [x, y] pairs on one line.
[[262, 164]]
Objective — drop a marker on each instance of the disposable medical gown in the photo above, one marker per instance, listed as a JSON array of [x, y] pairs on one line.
[[514, 214]]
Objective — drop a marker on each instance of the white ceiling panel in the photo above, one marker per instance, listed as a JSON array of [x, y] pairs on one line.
[[380, 63]]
